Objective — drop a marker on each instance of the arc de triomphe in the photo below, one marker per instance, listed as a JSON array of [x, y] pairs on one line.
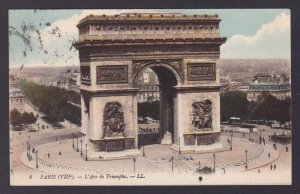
[[183, 50]]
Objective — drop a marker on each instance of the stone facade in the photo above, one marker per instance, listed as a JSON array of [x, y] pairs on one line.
[[16, 96], [182, 50], [275, 85]]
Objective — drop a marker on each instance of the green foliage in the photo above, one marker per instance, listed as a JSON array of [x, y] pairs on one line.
[[271, 108], [15, 117], [149, 109], [234, 104], [53, 102], [27, 118]]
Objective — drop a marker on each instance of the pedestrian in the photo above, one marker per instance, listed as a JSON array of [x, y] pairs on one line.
[[258, 171], [269, 155], [286, 149], [59, 153], [271, 167], [48, 155], [224, 170], [274, 166]]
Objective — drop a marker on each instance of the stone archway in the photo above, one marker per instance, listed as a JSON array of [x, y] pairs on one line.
[[168, 79], [182, 50]]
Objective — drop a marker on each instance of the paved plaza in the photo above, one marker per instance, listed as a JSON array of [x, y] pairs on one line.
[[56, 155]]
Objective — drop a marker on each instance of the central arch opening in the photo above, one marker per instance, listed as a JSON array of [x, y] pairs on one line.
[[156, 104]]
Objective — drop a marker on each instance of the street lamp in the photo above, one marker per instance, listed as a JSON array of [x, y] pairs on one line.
[[260, 136], [214, 162], [179, 145], [29, 155], [134, 164], [27, 150], [85, 152], [81, 147], [36, 157], [77, 142], [246, 159], [172, 162], [249, 134], [73, 140], [231, 139]]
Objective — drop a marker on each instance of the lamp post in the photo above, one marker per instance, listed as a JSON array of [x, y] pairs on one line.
[[81, 147], [172, 163], [260, 136], [246, 159], [73, 140], [134, 165], [231, 139], [29, 155], [36, 157], [179, 145], [77, 142], [249, 134], [27, 149], [85, 152], [214, 155]]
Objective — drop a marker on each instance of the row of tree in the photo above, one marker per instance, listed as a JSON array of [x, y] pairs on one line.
[[53, 102], [235, 104], [267, 107], [18, 119]]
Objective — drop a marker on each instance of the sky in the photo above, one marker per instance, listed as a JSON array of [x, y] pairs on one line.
[[45, 37]]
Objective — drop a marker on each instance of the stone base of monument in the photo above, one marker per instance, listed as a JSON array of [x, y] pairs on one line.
[[200, 142], [113, 148], [216, 147], [114, 155]]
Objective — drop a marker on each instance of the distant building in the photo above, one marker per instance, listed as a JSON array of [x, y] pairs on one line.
[[16, 97], [63, 82], [278, 86], [148, 93], [74, 82], [148, 87]]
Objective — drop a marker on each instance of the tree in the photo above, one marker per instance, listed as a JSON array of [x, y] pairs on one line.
[[234, 104], [271, 108], [28, 118], [15, 117]]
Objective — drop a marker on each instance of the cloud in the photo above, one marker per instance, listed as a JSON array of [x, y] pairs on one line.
[[272, 40], [61, 42]]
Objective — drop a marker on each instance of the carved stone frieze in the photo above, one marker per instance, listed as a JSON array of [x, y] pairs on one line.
[[112, 74], [175, 64], [113, 120], [85, 72], [201, 114], [201, 71], [118, 50]]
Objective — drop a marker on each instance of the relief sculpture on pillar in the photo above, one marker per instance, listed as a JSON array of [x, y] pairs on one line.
[[113, 120], [201, 116]]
